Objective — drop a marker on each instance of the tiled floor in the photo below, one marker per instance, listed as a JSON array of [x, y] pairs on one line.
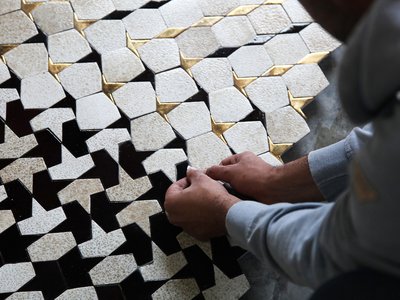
[[103, 104]]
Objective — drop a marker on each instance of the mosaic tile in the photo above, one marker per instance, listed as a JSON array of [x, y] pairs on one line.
[[16, 28], [9, 6], [106, 35], [144, 23], [247, 136], [18, 57], [92, 9], [270, 159], [250, 2], [181, 13], [197, 42], [296, 11], [41, 91], [102, 244], [175, 86], [177, 289], [229, 105], [269, 19], [51, 246], [80, 190], [53, 119], [14, 146], [250, 61], [121, 65], [268, 93], [190, 119], [234, 32], [4, 73], [3, 193], [286, 49], [14, 276], [42, 221], [206, 150], [113, 269], [129, 4], [165, 160], [317, 39], [26, 296], [213, 74], [217, 7], [139, 212], [160, 55], [6, 95], [6, 220], [81, 79], [44, 14], [163, 267], [136, 99], [186, 241], [96, 112], [305, 80], [87, 293], [68, 47]]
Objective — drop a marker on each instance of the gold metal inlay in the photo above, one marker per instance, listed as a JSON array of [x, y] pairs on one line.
[[187, 63], [110, 87], [81, 25], [313, 58], [5, 48], [242, 82], [242, 10], [172, 32], [278, 150], [207, 21], [278, 70], [134, 45], [220, 128], [299, 103], [164, 108], [274, 2], [29, 7], [55, 68]]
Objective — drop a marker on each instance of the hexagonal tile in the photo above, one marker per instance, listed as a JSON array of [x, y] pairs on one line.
[[234, 32], [317, 39], [44, 17], [269, 19], [16, 28], [217, 7], [106, 35], [250, 61], [92, 9], [286, 49], [296, 11], [197, 42], [213, 74], [144, 23], [181, 13]]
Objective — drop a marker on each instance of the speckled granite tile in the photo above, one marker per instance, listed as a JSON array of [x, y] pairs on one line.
[[181, 13], [185, 241], [317, 39], [14, 276], [44, 17], [286, 49], [197, 42], [92, 9], [9, 6], [217, 7], [177, 289], [86, 293], [269, 19], [6, 220], [270, 159], [129, 5], [250, 61], [213, 74], [51, 246], [144, 23], [36, 295], [106, 35], [234, 32], [3, 193], [296, 11], [6, 95], [14, 146], [16, 28]]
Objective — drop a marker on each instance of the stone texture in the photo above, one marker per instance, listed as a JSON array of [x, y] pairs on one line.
[[16, 28], [217, 7], [86, 293], [109, 139], [250, 61], [53, 17], [51, 246], [4, 73], [229, 105], [113, 269], [269, 19], [6, 95], [9, 6], [317, 39], [286, 49], [121, 65], [129, 5], [14, 276], [270, 159], [144, 23], [15, 146], [296, 11], [197, 42], [175, 86], [92, 9], [36, 295], [165, 160], [181, 13], [213, 74], [6, 220], [3, 193], [177, 289], [106, 35], [234, 32]]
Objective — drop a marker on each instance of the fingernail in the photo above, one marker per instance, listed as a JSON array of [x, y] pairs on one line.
[[190, 168]]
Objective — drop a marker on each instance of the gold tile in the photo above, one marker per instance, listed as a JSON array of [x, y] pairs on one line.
[[81, 25], [5, 48], [277, 70], [278, 150], [55, 68], [164, 108], [242, 10], [299, 103], [313, 58], [134, 45], [220, 128], [171, 32], [187, 63], [29, 7], [242, 82], [207, 21], [110, 87]]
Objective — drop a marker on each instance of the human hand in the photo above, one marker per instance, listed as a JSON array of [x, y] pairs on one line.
[[199, 205]]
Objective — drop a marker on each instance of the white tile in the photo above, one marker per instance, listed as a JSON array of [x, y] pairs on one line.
[[3, 193], [14, 276], [197, 42], [26, 296], [136, 99], [296, 11], [317, 39], [225, 287], [35, 54], [22, 169], [251, 2], [160, 54], [268, 93], [96, 112], [129, 4], [87, 293], [247, 136], [121, 65], [213, 74], [106, 35], [269, 19], [229, 105], [6, 95], [6, 220], [286, 126], [217, 7], [102, 243], [4, 73], [163, 267], [305, 80], [80, 190], [14, 146], [286, 49], [68, 46], [234, 32], [128, 189], [81, 79], [139, 212], [16, 28], [206, 150], [53, 119], [185, 241], [113, 269], [41, 91], [177, 289], [190, 119], [109, 139], [270, 159], [51, 246], [71, 167], [181, 13], [92, 9], [151, 132], [42, 221], [175, 86], [165, 160], [144, 23], [9, 6], [250, 61], [44, 17]]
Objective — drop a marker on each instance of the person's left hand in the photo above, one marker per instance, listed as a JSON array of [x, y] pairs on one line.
[[199, 205]]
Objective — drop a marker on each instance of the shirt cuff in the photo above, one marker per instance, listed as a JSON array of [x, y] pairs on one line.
[[328, 168]]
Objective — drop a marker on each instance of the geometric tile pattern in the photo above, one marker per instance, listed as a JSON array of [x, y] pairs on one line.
[[103, 104]]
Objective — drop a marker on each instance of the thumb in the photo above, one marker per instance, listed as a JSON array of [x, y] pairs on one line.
[[193, 174], [222, 173]]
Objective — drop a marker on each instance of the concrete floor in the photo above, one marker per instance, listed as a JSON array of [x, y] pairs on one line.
[[328, 124]]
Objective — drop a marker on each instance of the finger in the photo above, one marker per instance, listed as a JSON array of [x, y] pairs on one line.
[[231, 160], [193, 175], [222, 173], [177, 188]]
